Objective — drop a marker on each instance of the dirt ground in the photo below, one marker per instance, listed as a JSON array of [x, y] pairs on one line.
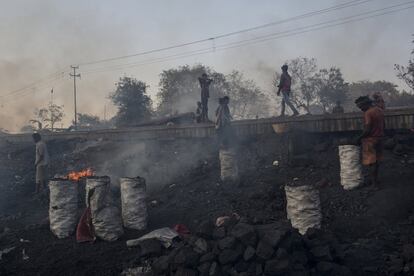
[[375, 226]]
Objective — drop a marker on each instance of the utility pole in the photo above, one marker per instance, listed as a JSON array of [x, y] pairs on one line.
[[74, 75], [51, 109]]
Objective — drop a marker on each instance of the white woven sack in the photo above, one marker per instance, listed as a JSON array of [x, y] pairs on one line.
[[351, 172], [133, 199], [63, 207], [303, 207], [228, 165], [106, 216]]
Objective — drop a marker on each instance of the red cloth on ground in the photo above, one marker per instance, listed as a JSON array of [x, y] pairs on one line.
[[85, 231]]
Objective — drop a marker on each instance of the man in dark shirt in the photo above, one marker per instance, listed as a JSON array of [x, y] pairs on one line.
[[371, 137], [284, 87], [205, 94]]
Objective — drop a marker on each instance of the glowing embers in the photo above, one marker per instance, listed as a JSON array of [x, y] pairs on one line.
[[76, 176]]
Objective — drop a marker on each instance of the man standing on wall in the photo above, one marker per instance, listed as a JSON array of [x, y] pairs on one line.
[[205, 94], [284, 87], [374, 124], [41, 163]]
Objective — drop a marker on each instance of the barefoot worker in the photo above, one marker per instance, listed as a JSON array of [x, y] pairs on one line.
[[41, 163], [371, 136]]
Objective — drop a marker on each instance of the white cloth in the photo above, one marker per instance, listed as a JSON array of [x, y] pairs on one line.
[[41, 150]]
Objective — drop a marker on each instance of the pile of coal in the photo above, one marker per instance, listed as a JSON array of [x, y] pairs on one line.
[[238, 248]]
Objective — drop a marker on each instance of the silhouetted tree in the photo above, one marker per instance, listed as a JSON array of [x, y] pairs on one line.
[[48, 117], [180, 90], [388, 90], [134, 105], [406, 73], [330, 87], [247, 100]]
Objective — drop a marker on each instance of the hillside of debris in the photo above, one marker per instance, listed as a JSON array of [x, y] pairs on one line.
[[366, 231]]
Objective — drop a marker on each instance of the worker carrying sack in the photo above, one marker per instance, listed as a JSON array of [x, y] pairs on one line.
[[303, 207], [351, 172], [63, 207], [106, 217], [134, 202], [228, 165]]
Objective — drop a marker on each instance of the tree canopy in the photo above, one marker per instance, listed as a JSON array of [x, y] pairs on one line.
[[180, 90], [134, 105], [406, 73]]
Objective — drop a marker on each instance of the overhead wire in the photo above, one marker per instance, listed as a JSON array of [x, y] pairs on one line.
[[267, 37], [240, 43], [302, 16]]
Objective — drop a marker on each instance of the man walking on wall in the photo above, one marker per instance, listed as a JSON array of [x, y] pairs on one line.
[[284, 88]]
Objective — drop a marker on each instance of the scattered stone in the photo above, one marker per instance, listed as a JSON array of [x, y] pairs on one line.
[[299, 257], [277, 267], [187, 256], [281, 253], [208, 257], [325, 268], [219, 233], [227, 243], [228, 256], [161, 264], [408, 252], [201, 246], [241, 266], [214, 270], [245, 233], [205, 229], [264, 250], [249, 253], [204, 269], [150, 247], [322, 253], [186, 272], [274, 238]]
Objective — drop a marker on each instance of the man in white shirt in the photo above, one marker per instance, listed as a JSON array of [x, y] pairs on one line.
[[41, 163]]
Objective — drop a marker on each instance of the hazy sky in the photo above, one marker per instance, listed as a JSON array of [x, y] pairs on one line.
[[40, 38]]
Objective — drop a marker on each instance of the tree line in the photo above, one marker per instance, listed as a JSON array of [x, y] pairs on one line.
[[315, 90]]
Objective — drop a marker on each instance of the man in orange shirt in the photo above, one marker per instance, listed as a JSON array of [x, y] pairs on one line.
[[371, 136]]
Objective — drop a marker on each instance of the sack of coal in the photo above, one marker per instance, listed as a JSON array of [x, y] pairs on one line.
[[134, 202], [303, 207], [351, 172], [228, 165], [63, 207], [106, 216]]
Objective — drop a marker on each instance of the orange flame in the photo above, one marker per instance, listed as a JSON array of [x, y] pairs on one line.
[[76, 176]]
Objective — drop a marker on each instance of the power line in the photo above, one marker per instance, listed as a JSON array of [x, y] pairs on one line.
[[305, 15], [24, 93], [267, 37], [287, 33], [48, 78], [302, 16]]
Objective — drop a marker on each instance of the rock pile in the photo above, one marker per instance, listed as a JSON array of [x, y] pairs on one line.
[[238, 248]]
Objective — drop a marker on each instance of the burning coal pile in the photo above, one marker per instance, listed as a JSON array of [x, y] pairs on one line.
[[239, 248]]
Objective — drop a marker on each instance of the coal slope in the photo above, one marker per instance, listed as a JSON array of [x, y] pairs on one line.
[[366, 231]]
